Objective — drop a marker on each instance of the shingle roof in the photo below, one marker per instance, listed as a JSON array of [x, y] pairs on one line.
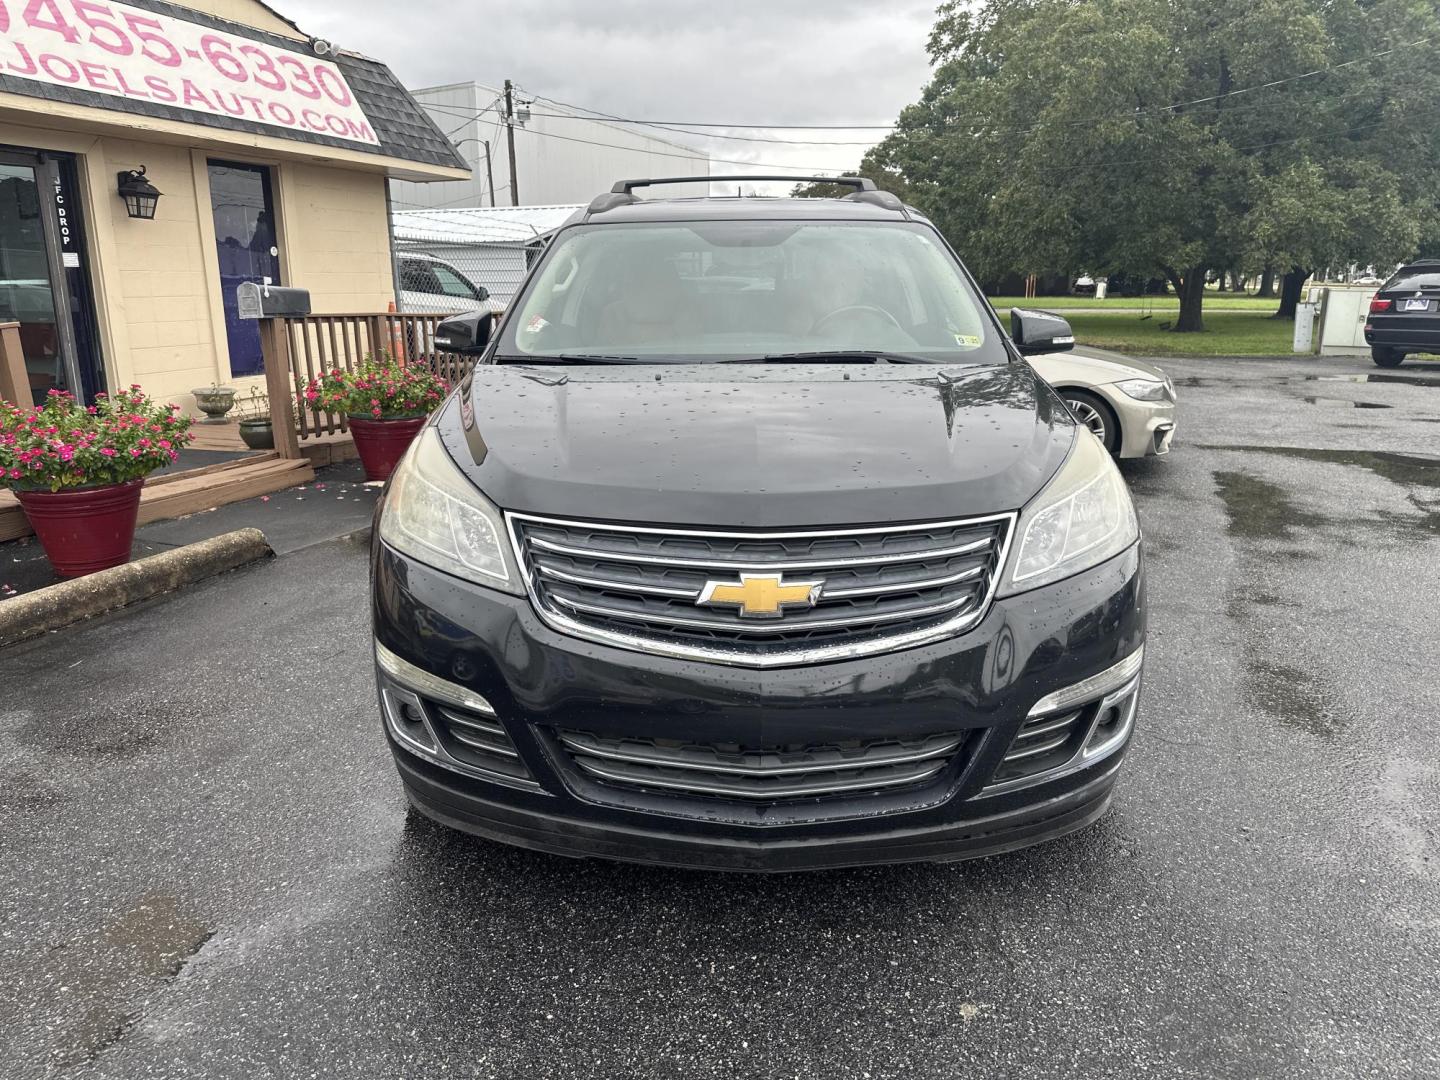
[[404, 129]]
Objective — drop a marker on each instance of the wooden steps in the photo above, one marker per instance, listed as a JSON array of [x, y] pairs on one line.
[[171, 495]]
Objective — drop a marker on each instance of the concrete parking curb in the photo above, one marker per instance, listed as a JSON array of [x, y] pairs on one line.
[[70, 601]]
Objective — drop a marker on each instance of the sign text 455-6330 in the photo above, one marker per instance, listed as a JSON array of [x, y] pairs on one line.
[[123, 51]]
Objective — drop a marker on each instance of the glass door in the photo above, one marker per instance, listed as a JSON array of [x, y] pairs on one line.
[[247, 248], [31, 263]]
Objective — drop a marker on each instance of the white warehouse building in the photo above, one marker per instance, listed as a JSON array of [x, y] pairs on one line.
[[561, 156]]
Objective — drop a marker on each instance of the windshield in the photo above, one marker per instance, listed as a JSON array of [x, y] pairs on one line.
[[731, 290]]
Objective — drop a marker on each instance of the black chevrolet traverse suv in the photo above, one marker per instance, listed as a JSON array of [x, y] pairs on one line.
[[753, 543], [1405, 314]]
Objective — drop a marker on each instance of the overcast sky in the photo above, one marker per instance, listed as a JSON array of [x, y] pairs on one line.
[[753, 62]]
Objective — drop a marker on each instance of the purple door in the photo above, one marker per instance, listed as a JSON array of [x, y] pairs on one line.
[[248, 250]]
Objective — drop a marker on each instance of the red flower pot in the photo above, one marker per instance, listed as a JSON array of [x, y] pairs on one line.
[[381, 443], [86, 529]]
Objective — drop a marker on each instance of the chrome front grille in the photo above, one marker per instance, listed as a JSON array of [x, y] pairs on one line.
[[876, 589], [677, 768]]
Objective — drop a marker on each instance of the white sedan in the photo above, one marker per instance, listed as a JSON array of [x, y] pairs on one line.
[[1128, 404]]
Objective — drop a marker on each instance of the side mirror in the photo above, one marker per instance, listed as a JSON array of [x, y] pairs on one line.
[[1039, 331], [481, 292], [468, 333]]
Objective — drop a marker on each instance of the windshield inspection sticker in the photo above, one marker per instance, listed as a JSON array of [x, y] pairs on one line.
[[536, 324], [969, 341]]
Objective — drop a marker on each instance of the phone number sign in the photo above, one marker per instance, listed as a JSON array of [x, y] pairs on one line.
[[127, 52]]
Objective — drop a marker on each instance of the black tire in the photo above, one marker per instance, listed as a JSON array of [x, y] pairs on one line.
[[1384, 356], [1095, 413]]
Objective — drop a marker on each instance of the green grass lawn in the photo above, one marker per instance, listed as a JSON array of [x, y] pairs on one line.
[[1213, 302], [1226, 333]]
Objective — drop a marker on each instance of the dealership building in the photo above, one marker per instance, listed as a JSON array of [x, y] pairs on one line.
[[270, 153]]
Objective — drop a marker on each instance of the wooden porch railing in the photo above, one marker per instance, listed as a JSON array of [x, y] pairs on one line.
[[298, 349], [14, 381]]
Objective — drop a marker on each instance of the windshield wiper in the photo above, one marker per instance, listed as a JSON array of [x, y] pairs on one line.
[[568, 358], [842, 356]]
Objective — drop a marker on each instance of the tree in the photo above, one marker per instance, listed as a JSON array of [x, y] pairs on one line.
[[820, 189], [1146, 136]]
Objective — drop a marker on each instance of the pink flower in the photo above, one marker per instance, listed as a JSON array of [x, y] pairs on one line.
[[107, 451]]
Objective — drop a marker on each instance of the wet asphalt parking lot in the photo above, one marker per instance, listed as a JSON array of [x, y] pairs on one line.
[[207, 868]]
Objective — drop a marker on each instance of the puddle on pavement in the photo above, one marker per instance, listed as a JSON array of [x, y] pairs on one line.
[[103, 975], [1345, 403], [111, 733], [1238, 606], [1427, 522], [1410, 470], [1260, 510], [23, 792], [1378, 377], [1293, 697]]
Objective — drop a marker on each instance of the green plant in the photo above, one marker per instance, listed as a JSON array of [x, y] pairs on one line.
[[382, 389], [62, 444], [253, 406]]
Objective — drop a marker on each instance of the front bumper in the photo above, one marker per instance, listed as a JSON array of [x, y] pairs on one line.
[[981, 685], [1146, 427]]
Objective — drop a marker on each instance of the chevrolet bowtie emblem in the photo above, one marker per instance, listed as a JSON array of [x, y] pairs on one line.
[[760, 596]]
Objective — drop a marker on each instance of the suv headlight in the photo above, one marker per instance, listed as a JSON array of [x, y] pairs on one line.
[[1144, 389], [435, 515], [1082, 517]]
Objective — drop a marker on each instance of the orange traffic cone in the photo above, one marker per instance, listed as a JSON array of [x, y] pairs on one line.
[[397, 336]]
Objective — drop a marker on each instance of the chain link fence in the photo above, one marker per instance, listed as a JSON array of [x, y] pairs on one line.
[[438, 276]]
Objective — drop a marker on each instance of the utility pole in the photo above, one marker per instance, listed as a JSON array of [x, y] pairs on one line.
[[489, 172], [510, 138]]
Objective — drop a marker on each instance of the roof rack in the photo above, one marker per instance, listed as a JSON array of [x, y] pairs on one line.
[[623, 191], [859, 183]]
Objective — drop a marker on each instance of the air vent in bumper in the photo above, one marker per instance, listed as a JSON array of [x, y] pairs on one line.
[[1062, 735], [770, 775]]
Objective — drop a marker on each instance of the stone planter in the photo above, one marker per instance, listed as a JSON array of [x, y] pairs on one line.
[[381, 443], [258, 434], [84, 529], [215, 401]]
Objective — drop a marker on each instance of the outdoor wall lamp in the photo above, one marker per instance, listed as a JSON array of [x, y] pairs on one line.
[[139, 194]]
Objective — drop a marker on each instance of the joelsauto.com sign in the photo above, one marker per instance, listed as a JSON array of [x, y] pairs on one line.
[[127, 52]]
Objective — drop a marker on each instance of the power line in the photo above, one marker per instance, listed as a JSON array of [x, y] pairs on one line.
[[1373, 126], [677, 125], [448, 202], [688, 157], [476, 116], [702, 134], [1296, 78]]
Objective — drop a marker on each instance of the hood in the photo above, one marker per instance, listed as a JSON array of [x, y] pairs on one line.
[[757, 445], [1099, 366]]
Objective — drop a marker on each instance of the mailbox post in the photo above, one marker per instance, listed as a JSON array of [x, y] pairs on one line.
[[272, 305]]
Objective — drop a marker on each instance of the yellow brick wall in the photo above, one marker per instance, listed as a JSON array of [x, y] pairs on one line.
[[336, 237], [157, 292], [170, 337]]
